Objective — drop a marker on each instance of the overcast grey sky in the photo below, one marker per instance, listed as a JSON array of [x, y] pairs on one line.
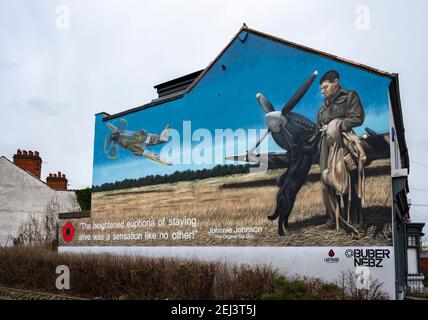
[[54, 79]]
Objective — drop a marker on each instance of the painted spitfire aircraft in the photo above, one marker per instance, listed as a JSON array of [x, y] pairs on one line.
[[134, 141], [289, 128]]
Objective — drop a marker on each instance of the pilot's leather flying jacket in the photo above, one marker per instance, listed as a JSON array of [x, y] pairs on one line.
[[345, 105]]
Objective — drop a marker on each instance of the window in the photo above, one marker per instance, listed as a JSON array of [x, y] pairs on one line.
[[412, 241]]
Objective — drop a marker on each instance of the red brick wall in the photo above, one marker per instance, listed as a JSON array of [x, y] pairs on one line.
[[59, 183], [424, 269], [424, 266]]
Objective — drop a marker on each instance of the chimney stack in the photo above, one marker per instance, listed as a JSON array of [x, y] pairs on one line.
[[28, 161], [57, 181]]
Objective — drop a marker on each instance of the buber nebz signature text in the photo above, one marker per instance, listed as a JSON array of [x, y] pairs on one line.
[[220, 310], [368, 257]]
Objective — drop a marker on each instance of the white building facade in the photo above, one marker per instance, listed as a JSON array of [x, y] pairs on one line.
[[23, 195]]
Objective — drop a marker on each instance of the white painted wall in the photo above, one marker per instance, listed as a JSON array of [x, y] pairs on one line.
[[412, 261], [22, 194], [395, 147], [292, 261]]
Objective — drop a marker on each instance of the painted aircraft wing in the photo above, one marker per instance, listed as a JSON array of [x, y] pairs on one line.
[[376, 145], [155, 157], [275, 160]]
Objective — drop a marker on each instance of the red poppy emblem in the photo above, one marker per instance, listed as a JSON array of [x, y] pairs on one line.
[[68, 232]]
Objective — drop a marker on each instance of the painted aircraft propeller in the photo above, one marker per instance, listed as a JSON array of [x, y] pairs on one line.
[[273, 117]]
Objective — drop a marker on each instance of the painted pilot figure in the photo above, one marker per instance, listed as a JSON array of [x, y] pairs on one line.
[[341, 108]]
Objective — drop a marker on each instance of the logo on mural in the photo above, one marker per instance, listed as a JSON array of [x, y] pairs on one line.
[[331, 257], [368, 257]]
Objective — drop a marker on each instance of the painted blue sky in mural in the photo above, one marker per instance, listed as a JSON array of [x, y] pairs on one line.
[[225, 99]]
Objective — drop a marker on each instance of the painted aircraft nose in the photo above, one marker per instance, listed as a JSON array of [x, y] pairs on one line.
[[274, 120]]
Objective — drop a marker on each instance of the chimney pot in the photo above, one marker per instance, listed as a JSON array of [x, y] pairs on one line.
[[25, 152], [60, 183], [31, 153], [36, 153], [19, 152]]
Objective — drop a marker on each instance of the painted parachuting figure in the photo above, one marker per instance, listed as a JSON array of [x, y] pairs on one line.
[[134, 141]]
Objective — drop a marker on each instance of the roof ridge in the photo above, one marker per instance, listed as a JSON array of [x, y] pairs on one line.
[[323, 53], [244, 27]]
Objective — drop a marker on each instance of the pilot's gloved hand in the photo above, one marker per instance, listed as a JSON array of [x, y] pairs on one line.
[[323, 128]]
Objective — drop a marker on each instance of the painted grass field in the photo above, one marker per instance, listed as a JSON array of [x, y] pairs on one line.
[[234, 201]]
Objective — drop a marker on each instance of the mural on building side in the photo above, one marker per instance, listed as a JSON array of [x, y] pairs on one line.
[[272, 146]]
